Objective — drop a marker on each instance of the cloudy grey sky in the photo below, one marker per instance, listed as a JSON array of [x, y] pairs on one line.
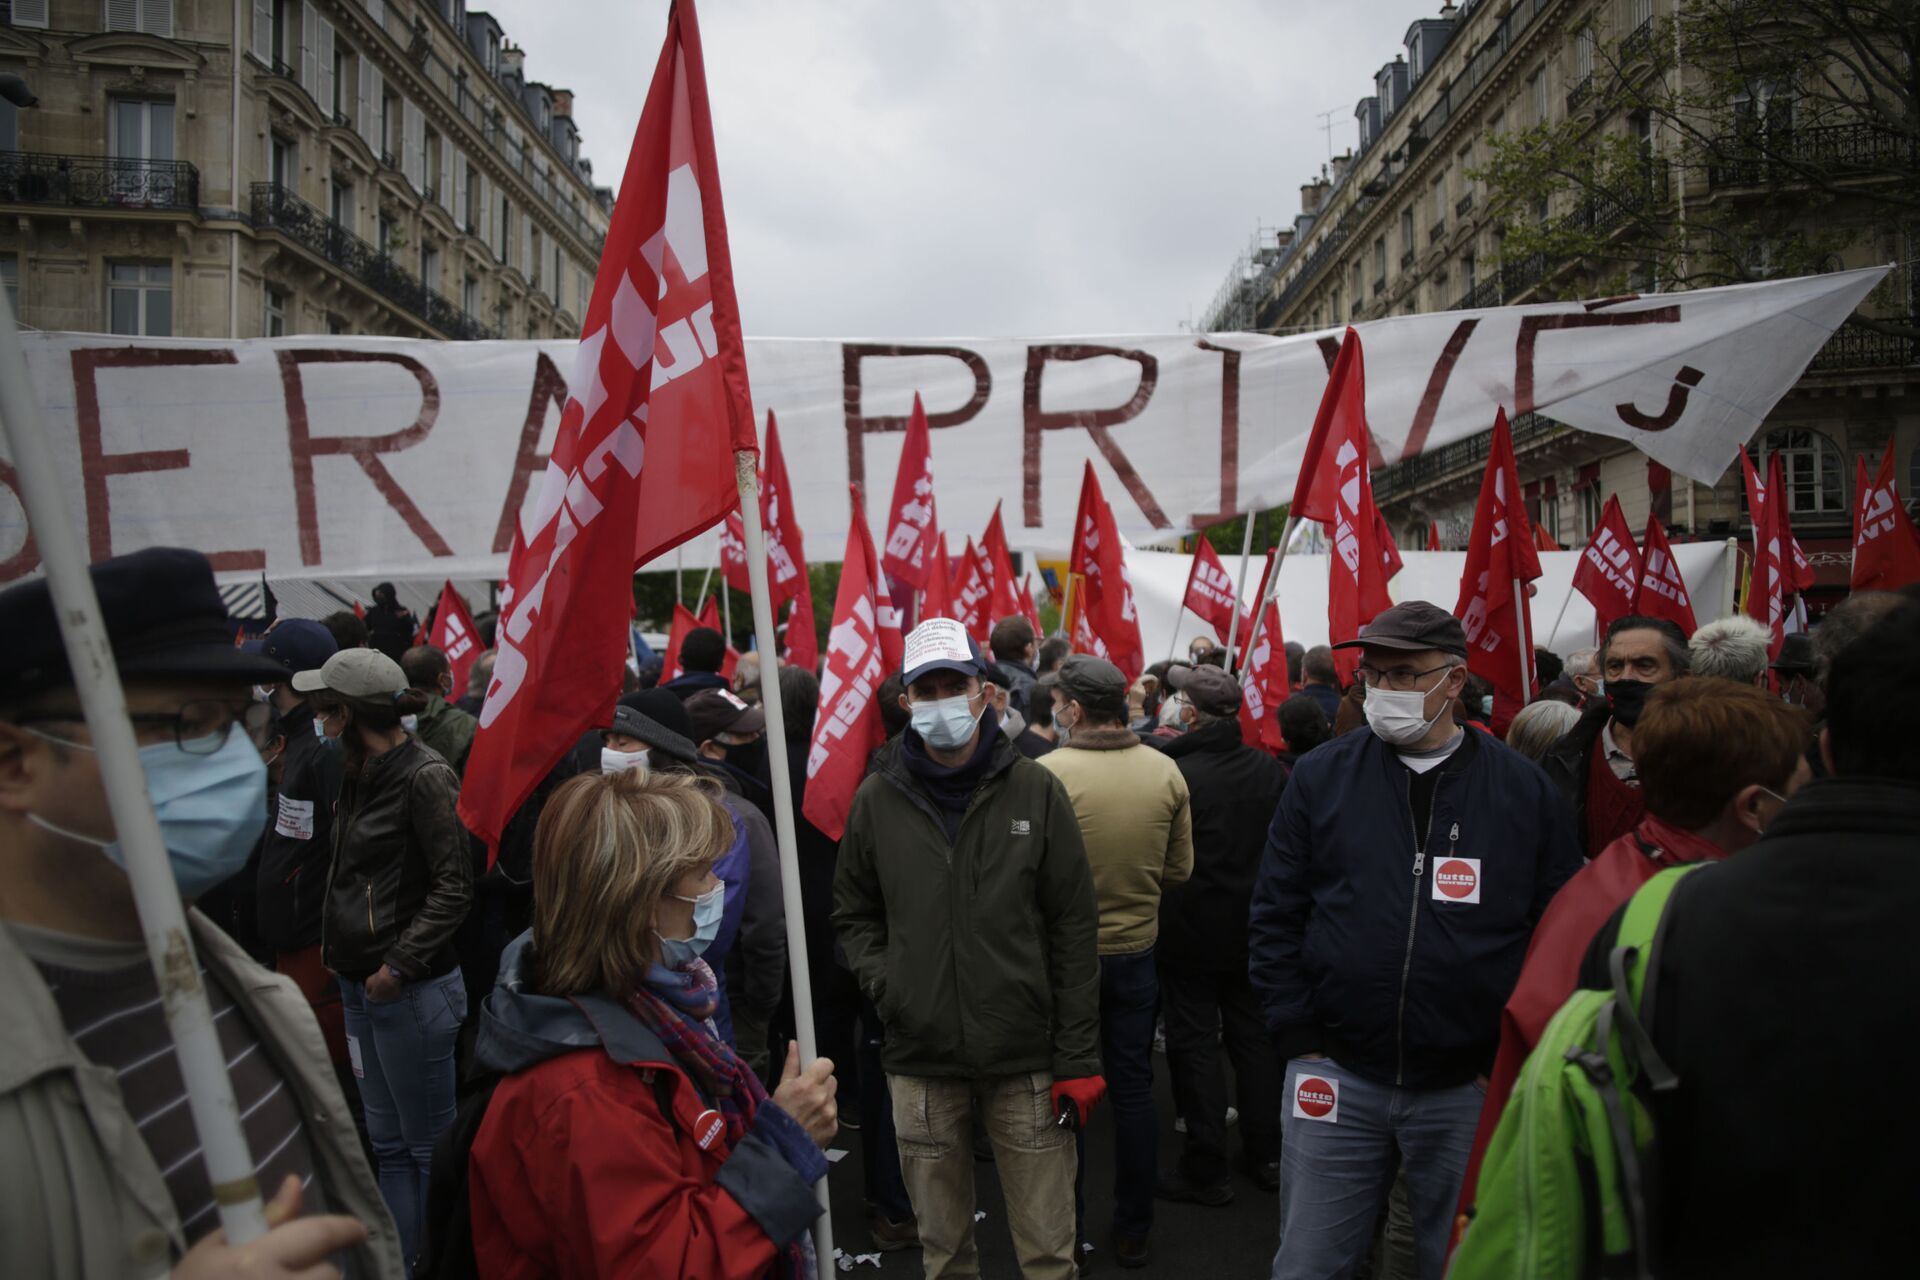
[[976, 168]]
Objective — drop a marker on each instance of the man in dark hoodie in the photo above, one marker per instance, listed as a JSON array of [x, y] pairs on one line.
[[964, 904], [702, 654]]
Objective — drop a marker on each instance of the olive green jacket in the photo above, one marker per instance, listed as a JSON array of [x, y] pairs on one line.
[[979, 951]]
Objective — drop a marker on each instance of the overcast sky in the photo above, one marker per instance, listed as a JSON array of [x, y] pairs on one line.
[[984, 168]]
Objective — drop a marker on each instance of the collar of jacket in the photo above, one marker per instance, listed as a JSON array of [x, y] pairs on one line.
[[1673, 846], [1830, 806], [1461, 759], [1116, 737], [889, 761], [1219, 736], [297, 719], [520, 1028]]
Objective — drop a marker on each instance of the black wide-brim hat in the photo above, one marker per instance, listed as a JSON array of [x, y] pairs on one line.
[[164, 620]]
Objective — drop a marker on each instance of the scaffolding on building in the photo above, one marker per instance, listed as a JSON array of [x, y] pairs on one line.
[[1248, 281]]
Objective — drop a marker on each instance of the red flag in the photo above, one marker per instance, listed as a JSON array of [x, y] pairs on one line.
[[1543, 541], [1766, 591], [970, 593], [803, 641], [1609, 572], [1886, 548], [1028, 609], [911, 527], [995, 558], [848, 727], [710, 619], [1107, 591], [1499, 553], [1336, 488], [1433, 535], [1210, 594], [937, 600], [1390, 560], [455, 635], [359, 612], [683, 622], [1662, 593], [733, 553], [786, 546], [657, 404], [1266, 684]]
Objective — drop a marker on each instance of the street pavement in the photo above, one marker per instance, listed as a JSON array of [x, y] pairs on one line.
[[1188, 1240]]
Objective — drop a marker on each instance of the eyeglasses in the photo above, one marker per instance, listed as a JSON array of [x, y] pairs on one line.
[[1397, 680], [198, 728]]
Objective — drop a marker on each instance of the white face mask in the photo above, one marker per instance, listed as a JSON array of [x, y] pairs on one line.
[[410, 723], [945, 723], [612, 761], [1401, 718]]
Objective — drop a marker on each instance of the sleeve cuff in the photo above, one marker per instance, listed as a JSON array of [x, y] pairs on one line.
[[771, 1173]]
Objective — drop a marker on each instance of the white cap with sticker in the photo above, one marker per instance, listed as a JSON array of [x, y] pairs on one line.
[[939, 644]]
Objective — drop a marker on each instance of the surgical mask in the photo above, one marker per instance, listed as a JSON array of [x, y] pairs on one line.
[[211, 809], [410, 723], [1170, 716], [1486, 706], [1400, 718], [678, 953], [1629, 699], [946, 723], [319, 727], [263, 693], [612, 761]]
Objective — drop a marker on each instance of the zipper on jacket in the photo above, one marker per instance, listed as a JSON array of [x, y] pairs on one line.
[[370, 913], [1420, 839]]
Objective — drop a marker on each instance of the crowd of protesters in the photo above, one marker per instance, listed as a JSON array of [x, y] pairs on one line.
[[575, 1056]]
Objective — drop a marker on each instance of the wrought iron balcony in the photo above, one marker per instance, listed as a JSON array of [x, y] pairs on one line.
[[1482, 295], [1462, 458], [1438, 231], [1578, 95], [277, 209], [1638, 46], [1833, 150], [1854, 347], [1464, 205], [97, 182]]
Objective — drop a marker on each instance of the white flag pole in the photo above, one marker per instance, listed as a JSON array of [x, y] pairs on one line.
[[1240, 589], [746, 473], [96, 679], [1273, 586]]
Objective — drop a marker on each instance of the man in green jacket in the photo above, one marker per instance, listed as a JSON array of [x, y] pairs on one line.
[[442, 726], [964, 904]]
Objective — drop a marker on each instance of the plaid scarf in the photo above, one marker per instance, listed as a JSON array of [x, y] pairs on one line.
[[677, 1005]]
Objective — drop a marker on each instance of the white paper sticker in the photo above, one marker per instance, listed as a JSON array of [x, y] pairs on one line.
[[1456, 880], [936, 640], [1316, 1097], [295, 821], [353, 1052]]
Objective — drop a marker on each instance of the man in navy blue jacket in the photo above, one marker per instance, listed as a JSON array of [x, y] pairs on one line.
[[1403, 874]]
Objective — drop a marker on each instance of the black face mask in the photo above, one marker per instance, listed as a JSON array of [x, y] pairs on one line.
[[1629, 699]]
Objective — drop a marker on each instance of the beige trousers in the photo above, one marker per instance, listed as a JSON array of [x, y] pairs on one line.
[[1036, 1159]]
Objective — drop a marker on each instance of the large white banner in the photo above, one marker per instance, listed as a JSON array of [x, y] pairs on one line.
[[349, 457]]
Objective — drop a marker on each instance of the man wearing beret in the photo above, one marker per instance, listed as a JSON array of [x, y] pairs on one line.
[[103, 1175]]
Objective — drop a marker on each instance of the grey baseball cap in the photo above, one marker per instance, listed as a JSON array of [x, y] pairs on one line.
[[354, 673]]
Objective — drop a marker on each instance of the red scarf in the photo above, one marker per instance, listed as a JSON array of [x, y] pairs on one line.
[[1613, 807]]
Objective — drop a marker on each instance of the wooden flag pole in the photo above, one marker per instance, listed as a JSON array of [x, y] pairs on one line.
[[1521, 616], [1240, 592], [103, 702], [747, 474], [1273, 586]]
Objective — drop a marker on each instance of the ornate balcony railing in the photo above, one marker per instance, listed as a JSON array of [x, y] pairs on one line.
[[277, 209], [97, 182], [1638, 45], [1855, 347], [1460, 457], [1578, 95], [1836, 150]]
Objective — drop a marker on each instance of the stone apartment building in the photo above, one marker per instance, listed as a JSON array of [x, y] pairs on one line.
[[1401, 225], [248, 168]]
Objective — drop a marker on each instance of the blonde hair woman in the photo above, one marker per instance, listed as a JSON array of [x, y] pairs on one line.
[[626, 1138]]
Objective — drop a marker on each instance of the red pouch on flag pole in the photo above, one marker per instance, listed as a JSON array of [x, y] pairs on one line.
[[657, 406]]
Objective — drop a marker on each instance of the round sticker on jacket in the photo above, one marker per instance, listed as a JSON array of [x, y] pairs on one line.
[[1316, 1098], [1457, 880], [708, 1128]]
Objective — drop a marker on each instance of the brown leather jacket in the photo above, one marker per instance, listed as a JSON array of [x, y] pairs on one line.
[[402, 876]]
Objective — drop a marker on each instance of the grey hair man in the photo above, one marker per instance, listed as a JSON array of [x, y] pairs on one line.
[[1583, 668], [1733, 648]]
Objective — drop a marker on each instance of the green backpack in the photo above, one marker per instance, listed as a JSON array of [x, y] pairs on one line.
[[1562, 1189]]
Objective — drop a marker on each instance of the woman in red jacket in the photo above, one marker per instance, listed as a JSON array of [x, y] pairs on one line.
[[626, 1139]]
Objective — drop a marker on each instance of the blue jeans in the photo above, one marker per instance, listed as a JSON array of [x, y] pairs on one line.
[[402, 1056], [1342, 1139], [1129, 997]]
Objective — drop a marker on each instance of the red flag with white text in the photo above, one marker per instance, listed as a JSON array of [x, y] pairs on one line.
[[802, 647], [1336, 488], [786, 545], [1663, 592], [848, 727], [1766, 589], [1266, 685], [997, 560], [971, 593], [1886, 548], [657, 405], [936, 601], [911, 526], [733, 553], [1097, 556], [1210, 592], [1609, 572], [1499, 553], [455, 635], [1028, 609]]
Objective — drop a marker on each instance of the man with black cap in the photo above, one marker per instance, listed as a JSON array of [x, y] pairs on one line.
[[1132, 806], [297, 846], [103, 1175], [964, 905], [1403, 875], [731, 736], [1794, 668], [1205, 995]]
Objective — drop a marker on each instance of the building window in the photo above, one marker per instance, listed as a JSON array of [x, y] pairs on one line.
[[1379, 264], [1537, 95], [430, 266], [505, 229], [470, 296], [385, 233], [9, 126], [276, 323], [142, 129], [1639, 13], [1816, 473], [1583, 43], [536, 256], [281, 170], [1406, 231], [1546, 514], [140, 299], [390, 141], [1588, 498], [559, 279], [10, 280], [151, 17], [343, 204], [431, 150], [339, 83], [28, 13]]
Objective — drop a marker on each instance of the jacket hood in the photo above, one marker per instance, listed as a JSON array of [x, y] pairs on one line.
[[1115, 737], [519, 1028]]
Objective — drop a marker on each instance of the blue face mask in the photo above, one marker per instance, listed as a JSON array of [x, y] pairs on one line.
[[678, 953], [211, 808]]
